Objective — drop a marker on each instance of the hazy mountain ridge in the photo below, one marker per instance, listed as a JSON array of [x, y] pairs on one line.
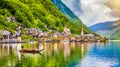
[[109, 29], [102, 26]]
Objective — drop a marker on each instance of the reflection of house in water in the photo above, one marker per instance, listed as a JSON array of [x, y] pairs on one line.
[[40, 47], [72, 45], [6, 48], [85, 47], [47, 49], [55, 47], [82, 50], [67, 50]]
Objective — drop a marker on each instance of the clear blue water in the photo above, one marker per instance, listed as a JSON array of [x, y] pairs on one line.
[[61, 55], [102, 55]]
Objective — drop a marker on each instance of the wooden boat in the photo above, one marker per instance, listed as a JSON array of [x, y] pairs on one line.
[[31, 51]]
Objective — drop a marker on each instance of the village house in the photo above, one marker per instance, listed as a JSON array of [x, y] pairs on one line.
[[44, 36], [11, 19], [67, 31], [35, 33], [77, 38], [86, 37], [6, 35]]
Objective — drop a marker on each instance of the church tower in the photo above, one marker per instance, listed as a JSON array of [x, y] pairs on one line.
[[82, 30]]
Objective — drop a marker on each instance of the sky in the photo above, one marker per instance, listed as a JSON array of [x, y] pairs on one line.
[[95, 11]]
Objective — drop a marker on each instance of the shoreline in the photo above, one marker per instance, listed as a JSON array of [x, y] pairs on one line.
[[115, 40], [12, 42]]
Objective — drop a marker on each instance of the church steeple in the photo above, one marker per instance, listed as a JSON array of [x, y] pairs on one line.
[[82, 30], [67, 30]]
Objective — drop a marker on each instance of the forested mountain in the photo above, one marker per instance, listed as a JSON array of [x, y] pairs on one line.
[[68, 13], [109, 29], [41, 14]]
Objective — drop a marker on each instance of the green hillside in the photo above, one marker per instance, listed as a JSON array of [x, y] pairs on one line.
[[68, 13], [115, 32], [41, 14]]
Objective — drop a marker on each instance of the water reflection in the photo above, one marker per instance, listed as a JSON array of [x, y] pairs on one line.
[[54, 55], [61, 55], [102, 55]]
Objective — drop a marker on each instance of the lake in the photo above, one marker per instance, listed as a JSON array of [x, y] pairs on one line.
[[61, 55]]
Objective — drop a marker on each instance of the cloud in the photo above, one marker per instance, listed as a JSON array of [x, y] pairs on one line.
[[115, 6], [93, 11]]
